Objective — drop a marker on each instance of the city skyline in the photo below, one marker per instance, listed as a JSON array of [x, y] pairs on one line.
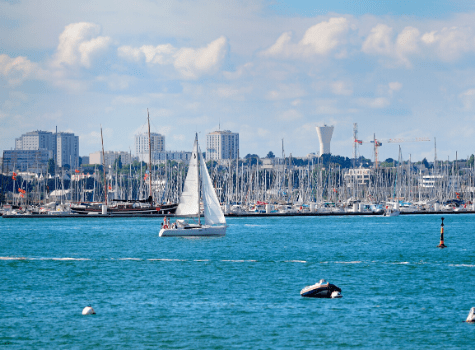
[[268, 70]]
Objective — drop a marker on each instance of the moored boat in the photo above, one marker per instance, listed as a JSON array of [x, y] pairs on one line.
[[322, 289]]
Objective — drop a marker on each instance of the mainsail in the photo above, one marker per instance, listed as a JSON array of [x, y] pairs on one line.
[[213, 213], [189, 200]]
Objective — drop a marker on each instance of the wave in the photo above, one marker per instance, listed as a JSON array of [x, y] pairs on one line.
[[166, 259], [461, 265], [296, 261]]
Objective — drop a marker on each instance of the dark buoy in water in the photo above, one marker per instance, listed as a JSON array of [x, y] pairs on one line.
[[88, 310], [441, 244]]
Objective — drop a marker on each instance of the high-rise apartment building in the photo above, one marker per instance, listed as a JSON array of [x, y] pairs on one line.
[[36, 140], [157, 142], [222, 145], [67, 149], [64, 146]]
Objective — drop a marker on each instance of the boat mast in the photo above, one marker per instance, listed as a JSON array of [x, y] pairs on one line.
[[149, 160], [104, 168], [198, 178]]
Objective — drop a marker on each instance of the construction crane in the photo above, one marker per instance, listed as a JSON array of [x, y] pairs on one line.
[[379, 142]]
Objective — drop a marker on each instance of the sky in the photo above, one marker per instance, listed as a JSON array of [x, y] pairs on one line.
[[269, 70]]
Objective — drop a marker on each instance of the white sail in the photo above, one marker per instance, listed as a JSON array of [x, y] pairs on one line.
[[189, 199], [213, 213]]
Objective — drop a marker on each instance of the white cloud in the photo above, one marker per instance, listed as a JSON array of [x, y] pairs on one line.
[[190, 63], [280, 46], [160, 54], [321, 39], [78, 44], [379, 41], [407, 43], [17, 69], [450, 43], [325, 36]]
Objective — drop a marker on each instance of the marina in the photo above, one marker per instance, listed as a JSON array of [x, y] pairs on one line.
[[237, 175]]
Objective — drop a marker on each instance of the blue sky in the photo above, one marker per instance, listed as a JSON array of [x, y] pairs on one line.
[[270, 70], [429, 9]]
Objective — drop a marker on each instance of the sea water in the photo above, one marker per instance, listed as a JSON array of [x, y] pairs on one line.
[[241, 291]]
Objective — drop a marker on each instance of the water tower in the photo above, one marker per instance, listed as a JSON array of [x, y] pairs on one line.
[[325, 135]]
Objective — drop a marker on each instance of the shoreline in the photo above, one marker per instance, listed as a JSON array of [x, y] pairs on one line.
[[35, 216]]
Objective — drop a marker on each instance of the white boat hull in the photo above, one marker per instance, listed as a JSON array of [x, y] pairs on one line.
[[202, 231]]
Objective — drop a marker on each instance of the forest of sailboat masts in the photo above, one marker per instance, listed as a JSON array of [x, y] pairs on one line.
[[245, 182]]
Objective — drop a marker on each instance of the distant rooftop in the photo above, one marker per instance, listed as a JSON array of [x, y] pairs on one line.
[[221, 132]]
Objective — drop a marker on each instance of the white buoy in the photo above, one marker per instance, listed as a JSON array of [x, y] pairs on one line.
[[471, 315], [88, 310], [104, 209], [336, 294]]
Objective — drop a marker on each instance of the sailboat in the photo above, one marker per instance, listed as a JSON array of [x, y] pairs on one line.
[[189, 205]]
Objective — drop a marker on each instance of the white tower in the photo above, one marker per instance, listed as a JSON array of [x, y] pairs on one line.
[[325, 135]]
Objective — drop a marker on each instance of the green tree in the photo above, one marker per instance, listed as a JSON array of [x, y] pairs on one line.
[[252, 158], [270, 155], [471, 160], [426, 163], [118, 163]]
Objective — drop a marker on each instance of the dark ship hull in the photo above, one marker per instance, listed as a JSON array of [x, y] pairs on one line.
[[320, 290], [126, 209]]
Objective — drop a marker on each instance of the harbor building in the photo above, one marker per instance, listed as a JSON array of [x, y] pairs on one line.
[[110, 157], [178, 156], [325, 135], [358, 177], [26, 160], [222, 145], [157, 143]]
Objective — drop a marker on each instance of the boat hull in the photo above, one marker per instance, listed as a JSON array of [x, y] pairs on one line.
[[201, 231], [323, 291]]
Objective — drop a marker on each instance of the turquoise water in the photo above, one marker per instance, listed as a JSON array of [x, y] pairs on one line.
[[240, 291]]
